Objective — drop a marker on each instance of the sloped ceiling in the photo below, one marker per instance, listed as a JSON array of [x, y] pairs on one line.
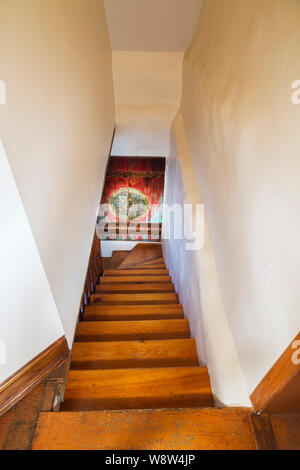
[[152, 25]]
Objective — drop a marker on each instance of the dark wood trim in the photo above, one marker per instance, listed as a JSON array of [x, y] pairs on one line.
[[263, 431], [25, 379], [139, 156], [278, 392], [109, 155]]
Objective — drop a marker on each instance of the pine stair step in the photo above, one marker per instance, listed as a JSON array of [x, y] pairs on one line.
[[175, 387], [132, 330], [135, 288], [134, 299], [153, 262], [117, 258], [133, 312], [141, 253], [136, 272], [147, 279], [184, 429], [149, 268], [134, 354]]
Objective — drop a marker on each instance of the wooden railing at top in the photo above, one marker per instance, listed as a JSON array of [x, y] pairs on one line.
[[94, 272], [134, 231]]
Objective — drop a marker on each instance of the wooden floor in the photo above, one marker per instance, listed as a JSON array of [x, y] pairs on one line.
[[187, 429]]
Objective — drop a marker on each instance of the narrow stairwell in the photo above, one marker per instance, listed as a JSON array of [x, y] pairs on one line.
[[135, 381]]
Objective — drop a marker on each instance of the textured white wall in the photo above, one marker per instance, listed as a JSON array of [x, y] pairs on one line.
[[243, 137], [57, 127], [148, 92], [28, 315], [195, 276]]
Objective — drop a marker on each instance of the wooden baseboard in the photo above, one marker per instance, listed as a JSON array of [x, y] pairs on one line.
[[278, 392], [25, 379]]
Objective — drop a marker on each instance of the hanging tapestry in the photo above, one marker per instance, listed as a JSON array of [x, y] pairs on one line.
[[131, 205]]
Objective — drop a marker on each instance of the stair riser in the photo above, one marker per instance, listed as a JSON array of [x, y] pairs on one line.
[[134, 354], [137, 317], [133, 364], [136, 280], [135, 289], [134, 299], [138, 388], [132, 337], [134, 312], [149, 267], [200, 401], [136, 272]]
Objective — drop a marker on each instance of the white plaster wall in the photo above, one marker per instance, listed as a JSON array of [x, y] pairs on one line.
[[57, 127], [148, 91], [243, 137], [29, 320], [195, 276]]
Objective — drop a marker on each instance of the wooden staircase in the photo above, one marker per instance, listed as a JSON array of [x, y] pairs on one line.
[[135, 381]]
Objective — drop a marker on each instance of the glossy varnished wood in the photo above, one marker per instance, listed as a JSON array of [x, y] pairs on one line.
[[286, 428], [134, 354], [136, 272], [133, 312], [29, 376], [147, 279], [138, 388], [117, 258], [133, 330], [279, 391], [141, 253], [153, 262], [135, 299], [185, 429], [107, 288], [263, 431]]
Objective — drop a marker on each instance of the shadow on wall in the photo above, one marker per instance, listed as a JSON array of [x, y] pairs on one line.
[[195, 276]]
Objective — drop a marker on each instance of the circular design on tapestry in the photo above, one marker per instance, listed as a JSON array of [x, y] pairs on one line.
[[129, 203]]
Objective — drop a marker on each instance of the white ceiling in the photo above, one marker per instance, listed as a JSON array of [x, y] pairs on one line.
[[152, 25]]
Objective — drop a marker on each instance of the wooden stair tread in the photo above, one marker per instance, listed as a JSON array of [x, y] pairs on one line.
[[117, 258], [147, 279], [136, 272], [138, 288], [134, 354], [153, 262], [133, 312], [183, 429], [89, 390], [141, 253], [146, 266], [134, 299], [132, 330], [150, 267]]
